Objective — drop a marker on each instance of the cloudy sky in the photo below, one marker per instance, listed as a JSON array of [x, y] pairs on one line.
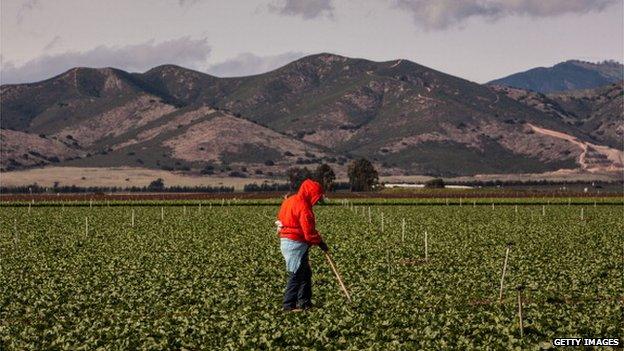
[[475, 39]]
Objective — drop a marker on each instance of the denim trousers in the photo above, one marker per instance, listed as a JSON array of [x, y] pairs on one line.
[[299, 286]]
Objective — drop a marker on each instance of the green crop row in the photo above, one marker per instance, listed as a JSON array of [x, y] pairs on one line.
[[332, 201], [185, 277]]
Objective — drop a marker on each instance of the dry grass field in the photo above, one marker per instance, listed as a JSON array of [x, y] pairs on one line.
[[116, 176], [133, 176]]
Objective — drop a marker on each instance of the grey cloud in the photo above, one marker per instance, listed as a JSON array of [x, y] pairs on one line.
[[307, 9], [52, 43], [27, 6], [441, 14], [187, 2], [247, 64], [187, 52]]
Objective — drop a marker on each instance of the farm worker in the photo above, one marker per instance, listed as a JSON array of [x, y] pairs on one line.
[[297, 231]]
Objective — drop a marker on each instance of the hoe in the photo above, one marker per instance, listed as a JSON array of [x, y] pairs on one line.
[[335, 270]]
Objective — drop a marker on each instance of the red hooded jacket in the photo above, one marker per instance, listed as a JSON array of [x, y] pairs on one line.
[[296, 214]]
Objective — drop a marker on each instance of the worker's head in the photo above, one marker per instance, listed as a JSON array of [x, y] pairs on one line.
[[311, 191]]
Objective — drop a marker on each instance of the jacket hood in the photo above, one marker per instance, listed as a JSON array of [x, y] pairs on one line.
[[310, 191]]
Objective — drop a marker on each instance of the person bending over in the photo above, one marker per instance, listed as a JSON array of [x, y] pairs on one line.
[[296, 228]]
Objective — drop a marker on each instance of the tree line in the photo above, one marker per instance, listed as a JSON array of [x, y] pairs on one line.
[[362, 176]]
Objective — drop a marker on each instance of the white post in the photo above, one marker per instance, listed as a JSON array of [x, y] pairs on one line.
[[426, 248], [460, 202], [582, 213], [520, 321], [370, 219], [28, 208], [500, 294], [132, 222], [184, 209], [90, 203], [516, 208], [403, 230], [382, 222], [474, 203], [162, 213], [200, 207], [15, 236], [543, 210], [86, 226], [492, 205]]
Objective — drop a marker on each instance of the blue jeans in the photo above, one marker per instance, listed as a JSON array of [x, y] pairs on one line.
[[299, 287]]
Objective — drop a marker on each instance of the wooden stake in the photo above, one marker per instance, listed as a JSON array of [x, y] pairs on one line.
[[90, 203], [460, 202], [28, 208], [500, 294], [426, 248], [15, 236], [184, 209], [370, 219], [543, 210], [520, 320], [403, 230], [516, 208], [492, 205], [382, 222], [86, 226], [162, 213]]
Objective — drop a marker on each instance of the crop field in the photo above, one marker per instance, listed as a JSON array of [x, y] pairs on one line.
[[211, 277]]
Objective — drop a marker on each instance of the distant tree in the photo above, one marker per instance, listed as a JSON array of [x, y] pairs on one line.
[[156, 185], [237, 174], [296, 176], [325, 175], [362, 175], [435, 183]]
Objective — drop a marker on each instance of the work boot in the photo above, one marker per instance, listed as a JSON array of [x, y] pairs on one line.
[[307, 306]]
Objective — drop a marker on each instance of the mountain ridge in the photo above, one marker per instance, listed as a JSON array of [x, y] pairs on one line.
[[567, 75], [405, 117]]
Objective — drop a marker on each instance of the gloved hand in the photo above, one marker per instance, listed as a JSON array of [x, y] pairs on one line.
[[323, 246]]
